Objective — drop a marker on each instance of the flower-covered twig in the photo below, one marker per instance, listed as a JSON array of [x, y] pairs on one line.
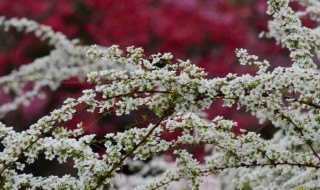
[[175, 91]]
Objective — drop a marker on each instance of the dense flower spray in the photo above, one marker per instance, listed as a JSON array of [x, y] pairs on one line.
[[176, 91]]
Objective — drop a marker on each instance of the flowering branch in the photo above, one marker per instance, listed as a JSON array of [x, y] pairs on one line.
[[174, 91]]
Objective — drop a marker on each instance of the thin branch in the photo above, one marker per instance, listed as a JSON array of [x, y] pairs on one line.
[[130, 152], [302, 134]]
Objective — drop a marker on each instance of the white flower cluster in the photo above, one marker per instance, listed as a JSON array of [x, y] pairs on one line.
[[175, 91], [288, 30], [312, 9], [65, 61]]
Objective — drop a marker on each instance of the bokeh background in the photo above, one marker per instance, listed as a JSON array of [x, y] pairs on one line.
[[204, 31]]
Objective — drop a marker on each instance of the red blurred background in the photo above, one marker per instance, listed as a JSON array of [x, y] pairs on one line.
[[205, 31]]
